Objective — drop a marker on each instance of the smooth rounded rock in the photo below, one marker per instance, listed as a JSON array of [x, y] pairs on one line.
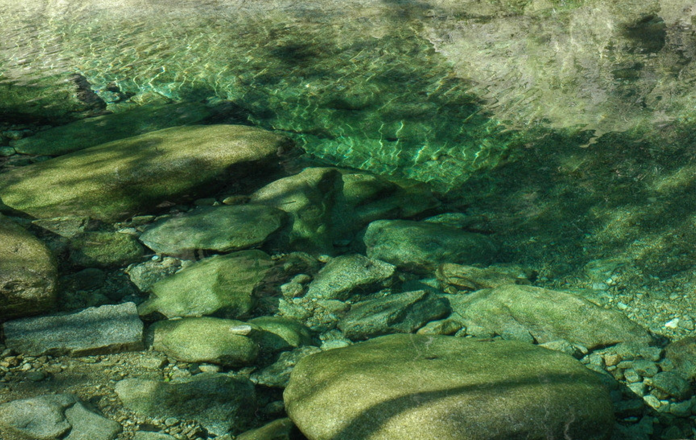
[[222, 229], [204, 340], [441, 387]]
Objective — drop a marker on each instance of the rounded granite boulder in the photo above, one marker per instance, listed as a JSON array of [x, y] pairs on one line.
[[422, 387]]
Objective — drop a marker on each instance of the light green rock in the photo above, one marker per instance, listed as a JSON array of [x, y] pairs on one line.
[[90, 132], [220, 403], [104, 249], [440, 387], [348, 274], [213, 340], [116, 180], [422, 247], [223, 229], [28, 272], [547, 315], [221, 285]]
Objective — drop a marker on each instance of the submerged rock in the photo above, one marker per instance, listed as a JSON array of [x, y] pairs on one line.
[[281, 429], [349, 274], [220, 285], [56, 416], [220, 403], [395, 313], [222, 229], [278, 373], [546, 315], [422, 247], [309, 198], [98, 330], [213, 340], [104, 249], [682, 353], [281, 333], [424, 387], [455, 277], [89, 132], [28, 273], [116, 180]]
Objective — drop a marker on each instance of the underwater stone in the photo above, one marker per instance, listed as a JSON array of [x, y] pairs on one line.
[[98, 130], [219, 402], [284, 333], [682, 353], [113, 181], [547, 315], [206, 339], [424, 387], [97, 330], [395, 313], [53, 416], [28, 273], [104, 249], [281, 429], [349, 274], [223, 229], [455, 277], [221, 285], [308, 197], [422, 247], [278, 373]]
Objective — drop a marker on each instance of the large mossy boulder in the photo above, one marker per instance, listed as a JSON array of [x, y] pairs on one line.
[[104, 249], [218, 341], [222, 229], [116, 180], [28, 273], [545, 315], [90, 132], [222, 285], [422, 246], [440, 387]]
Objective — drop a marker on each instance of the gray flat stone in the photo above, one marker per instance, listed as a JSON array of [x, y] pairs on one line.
[[105, 329], [51, 417]]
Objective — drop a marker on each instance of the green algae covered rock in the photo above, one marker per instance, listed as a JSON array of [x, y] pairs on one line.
[[220, 285], [218, 341], [546, 315], [348, 274], [115, 180], [28, 272], [281, 429], [422, 246], [223, 229], [441, 387], [90, 132], [104, 249]]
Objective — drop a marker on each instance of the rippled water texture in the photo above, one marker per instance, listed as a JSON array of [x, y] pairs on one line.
[[430, 89]]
